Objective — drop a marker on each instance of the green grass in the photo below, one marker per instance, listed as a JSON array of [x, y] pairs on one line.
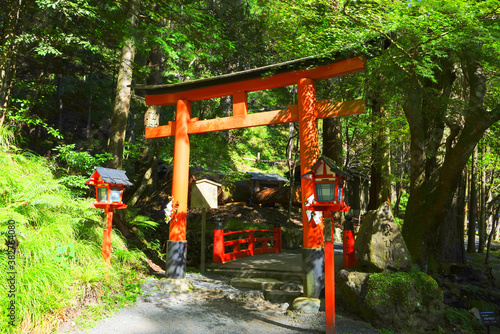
[[58, 264]]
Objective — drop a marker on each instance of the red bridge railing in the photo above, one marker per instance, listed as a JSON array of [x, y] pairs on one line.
[[254, 245]]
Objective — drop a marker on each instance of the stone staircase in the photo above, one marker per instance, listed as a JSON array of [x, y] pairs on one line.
[[279, 276]]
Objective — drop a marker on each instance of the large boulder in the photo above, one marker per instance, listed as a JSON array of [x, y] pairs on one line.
[[409, 301], [379, 244]]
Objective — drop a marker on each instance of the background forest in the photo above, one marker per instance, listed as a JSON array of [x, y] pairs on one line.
[[428, 141]]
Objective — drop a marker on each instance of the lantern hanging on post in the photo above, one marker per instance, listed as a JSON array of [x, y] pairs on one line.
[[329, 183], [109, 184]]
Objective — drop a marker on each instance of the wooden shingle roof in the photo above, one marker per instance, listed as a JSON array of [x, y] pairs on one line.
[[109, 175]]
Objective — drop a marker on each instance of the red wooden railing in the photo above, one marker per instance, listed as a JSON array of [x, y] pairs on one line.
[[252, 242]]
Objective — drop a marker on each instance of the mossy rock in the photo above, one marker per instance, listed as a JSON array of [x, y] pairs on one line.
[[405, 301], [405, 289]]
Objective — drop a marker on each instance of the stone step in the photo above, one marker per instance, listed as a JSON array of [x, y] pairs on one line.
[[283, 276], [268, 284], [256, 283], [275, 291]]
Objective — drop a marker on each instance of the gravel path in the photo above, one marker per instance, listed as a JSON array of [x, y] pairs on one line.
[[213, 306]]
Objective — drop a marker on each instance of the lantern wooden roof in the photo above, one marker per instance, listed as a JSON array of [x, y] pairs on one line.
[[329, 162], [109, 175]]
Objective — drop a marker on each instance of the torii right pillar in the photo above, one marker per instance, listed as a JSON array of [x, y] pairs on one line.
[[313, 254]]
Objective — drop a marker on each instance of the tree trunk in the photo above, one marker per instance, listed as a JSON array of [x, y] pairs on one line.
[[8, 53], [447, 240], [434, 178], [482, 202], [467, 192], [380, 189], [332, 148], [151, 119], [59, 100], [291, 161], [471, 232], [332, 140], [88, 79], [121, 107], [490, 236], [149, 178]]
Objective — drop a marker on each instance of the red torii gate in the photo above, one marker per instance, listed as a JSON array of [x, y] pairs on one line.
[[303, 73]]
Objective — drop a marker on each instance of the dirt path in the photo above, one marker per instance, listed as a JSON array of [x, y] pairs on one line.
[[213, 306]]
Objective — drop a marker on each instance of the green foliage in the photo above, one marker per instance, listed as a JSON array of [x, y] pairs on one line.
[[209, 151], [79, 162], [402, 206], [120, 291], [65, 252], [143, 222], [18, 115], [76, 183], [462, 318], [384, 331], [133, 151], [238, 225], [59, 239], [7, 137], [247, 143]]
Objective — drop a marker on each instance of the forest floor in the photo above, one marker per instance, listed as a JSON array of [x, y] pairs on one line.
[[213, 306]]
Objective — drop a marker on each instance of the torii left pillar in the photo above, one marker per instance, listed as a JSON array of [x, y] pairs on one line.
[[177, 244]]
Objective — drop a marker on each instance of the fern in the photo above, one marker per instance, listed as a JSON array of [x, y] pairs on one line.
[[49, 220]]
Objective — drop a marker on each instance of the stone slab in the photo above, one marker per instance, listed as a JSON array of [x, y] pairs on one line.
[[306, 304], [256, 283]]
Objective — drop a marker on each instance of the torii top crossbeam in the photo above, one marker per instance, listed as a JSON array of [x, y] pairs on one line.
[[267, 77], [240, 83], [303, 73]]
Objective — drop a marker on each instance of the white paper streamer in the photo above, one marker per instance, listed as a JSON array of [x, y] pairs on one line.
[[315, 215], [168, 211]]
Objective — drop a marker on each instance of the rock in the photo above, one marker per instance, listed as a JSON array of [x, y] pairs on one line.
[[279, 297], [352, 287], [403, 301], [306, 304], [256, 283], [468, 275], [175, 285], [475, 312], [379, 243], [291, 286], [284, 307]]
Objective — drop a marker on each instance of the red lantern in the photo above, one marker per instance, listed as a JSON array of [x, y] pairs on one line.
[[329, 183], [109, 184]]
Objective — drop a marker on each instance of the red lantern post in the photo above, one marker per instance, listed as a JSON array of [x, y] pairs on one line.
[[328, 183], [109, 184]]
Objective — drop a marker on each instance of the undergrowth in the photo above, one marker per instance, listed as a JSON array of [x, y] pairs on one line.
[[50, 252]]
